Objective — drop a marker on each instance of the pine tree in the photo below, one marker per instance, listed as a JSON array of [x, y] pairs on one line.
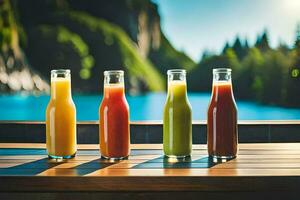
[[238, 48], [206, 54], [262, 42], [246, 45], [246, 48], [226, 47]]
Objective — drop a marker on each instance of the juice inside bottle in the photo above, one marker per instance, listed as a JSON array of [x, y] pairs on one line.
[[222, 132], [61, 117], [177, 120], [114, 118]]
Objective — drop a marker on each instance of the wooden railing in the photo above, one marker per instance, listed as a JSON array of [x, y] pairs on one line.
[[151, 131]]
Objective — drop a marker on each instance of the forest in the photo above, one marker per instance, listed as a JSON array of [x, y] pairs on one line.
[[92, 36], [260, 73]]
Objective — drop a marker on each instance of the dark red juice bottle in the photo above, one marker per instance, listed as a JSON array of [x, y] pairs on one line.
[[222, 131]]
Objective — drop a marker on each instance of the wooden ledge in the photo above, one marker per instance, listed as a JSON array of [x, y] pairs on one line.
[[159, 122]]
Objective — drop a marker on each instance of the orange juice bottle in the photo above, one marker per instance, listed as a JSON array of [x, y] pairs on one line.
[[61, 117]]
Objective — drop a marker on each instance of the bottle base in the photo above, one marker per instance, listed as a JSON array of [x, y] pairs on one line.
[[218, 159], [114, 158], [61, 157], [178, 157]]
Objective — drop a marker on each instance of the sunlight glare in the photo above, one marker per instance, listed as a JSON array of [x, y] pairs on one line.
[[292, 5]]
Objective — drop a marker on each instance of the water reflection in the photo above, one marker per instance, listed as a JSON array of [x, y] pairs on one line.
[[144, 107]]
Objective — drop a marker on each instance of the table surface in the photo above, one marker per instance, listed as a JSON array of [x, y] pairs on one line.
[[258, 167]]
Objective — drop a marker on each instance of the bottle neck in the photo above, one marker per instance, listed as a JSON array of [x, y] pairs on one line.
[[114, 91], [114, 77], [177, 88], [114, 84], [177, 83], [60, 88], [222, 86], [222, 77]]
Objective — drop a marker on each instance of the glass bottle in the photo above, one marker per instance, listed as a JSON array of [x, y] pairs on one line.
[[177, 119], [61, 117], [222, 130], [114, 118]]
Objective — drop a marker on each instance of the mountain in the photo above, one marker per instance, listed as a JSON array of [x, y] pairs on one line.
[[92, 36]]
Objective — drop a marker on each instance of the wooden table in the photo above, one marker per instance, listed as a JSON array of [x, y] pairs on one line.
[[260, 171]]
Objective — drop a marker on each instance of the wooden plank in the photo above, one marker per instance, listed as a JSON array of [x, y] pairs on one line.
[[243, 146], [87, 157], [258, 167], [86, 146], [256, 146], [189, 172], [145, 195], [77, 158], [150, 183], [250, 161], [264, 160], [134, 153], [134, 161], [125, 172]]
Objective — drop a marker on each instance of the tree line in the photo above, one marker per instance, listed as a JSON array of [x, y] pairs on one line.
[[260, 73]]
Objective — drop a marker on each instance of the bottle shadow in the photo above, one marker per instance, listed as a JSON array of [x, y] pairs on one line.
[[30, 168], [92, 166], [164, 162]]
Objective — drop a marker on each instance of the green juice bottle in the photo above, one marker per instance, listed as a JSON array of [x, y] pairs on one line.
[[177, 122]]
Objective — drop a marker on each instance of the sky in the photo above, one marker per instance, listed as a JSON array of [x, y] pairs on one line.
[[193, 26]]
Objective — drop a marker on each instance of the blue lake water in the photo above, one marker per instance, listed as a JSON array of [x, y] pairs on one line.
[[145, 107]]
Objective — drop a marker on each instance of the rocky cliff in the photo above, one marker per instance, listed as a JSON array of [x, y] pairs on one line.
[[89, 37], [15, 72]]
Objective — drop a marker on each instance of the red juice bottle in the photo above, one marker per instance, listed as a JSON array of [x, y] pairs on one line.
[[222, 130], [114, 118]]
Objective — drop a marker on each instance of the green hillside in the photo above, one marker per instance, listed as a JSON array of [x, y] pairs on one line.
[[132, 61]]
